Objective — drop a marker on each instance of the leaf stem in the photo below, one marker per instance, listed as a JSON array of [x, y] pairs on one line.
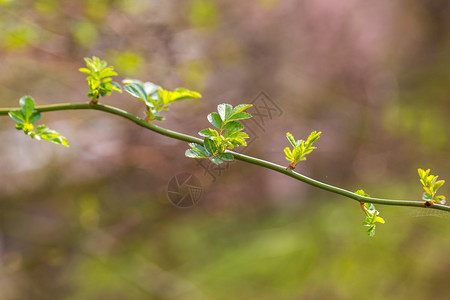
[[238, 156]]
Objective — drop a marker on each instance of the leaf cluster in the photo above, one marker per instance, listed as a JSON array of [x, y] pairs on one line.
[[99, 78], [300, 148], [227, 135], [27, 115], [155, 97], [431, 186], [371, 215]]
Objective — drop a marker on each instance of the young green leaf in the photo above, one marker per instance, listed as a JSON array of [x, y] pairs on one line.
[[17, 116], [300, 148], [151, 88], [116, 87], [215, 120], [27, 115], [228, 114], [99, 78], [178, 94], [224, 111], [371, 215], [210, 146], [225, 156], [208, 132], [239, 116], [85, 71], [192, 153], [291, 139], [361, 193], [288, 154], [42, 132], [136, 89], [108, 72], [430, 187], [156, 98], [232, 128], [240, 108], [27, 105], [228, 134], [199, 149]]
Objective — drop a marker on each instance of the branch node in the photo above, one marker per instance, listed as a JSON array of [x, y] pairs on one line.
[[428, 203], [291, 166], [363, 207]]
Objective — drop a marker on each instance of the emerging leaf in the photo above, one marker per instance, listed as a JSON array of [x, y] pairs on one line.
[[194, 154], [182, 93], [228, 114], [371, 215], [240, 108], [430, 187], [116, 87], [239, 116], [362, 193], [44, 133], [288, 154], [232, 127], [200, 149], [17, 116], [27, 115], [215, 120], [228, 134], [210, 146], [99, 78], [225, 156], [156, 98], [380, 220], [300, 148], [291, 139], [150, 88], [136, 89], [208, 132], [27, 105], [224, 111], [85, 71]]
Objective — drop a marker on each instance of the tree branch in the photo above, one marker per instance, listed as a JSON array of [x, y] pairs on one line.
[[238, 156]]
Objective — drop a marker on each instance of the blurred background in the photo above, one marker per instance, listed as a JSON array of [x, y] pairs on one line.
[[94, 221]]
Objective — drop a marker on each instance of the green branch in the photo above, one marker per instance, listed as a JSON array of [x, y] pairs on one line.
[[239, 156]]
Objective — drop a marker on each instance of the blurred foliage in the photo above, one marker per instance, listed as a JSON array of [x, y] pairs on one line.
[[84, 32], [94, 222], [46, 6], [195, 73], [127, 62], [19, 36], [204, 13], [5, 2]]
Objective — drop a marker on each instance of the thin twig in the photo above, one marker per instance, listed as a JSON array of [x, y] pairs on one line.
[[238, 156]]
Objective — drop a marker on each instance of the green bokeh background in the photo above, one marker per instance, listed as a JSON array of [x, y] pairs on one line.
[[93, 221]]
